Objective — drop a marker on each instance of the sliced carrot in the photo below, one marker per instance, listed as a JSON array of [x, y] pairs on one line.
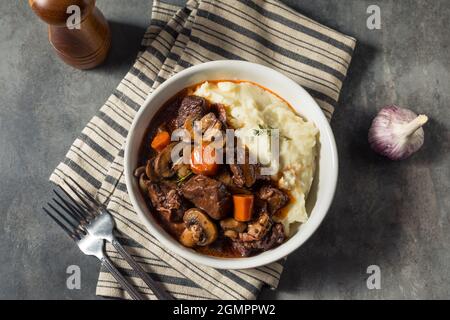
[[160, 141], [243, 207], [202, 162]]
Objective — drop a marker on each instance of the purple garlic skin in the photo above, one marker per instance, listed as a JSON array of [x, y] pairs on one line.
[[397, 133]]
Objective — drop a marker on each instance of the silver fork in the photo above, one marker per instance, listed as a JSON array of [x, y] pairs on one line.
[[87, 243], [94, 224]]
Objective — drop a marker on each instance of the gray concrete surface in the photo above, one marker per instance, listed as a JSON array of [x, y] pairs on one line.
[[394, 215]]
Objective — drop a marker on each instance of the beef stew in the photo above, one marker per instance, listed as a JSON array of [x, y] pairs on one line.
[[223, 210]]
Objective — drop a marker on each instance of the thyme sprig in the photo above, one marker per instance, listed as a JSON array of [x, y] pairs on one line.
[[266, 130], [180, 180]]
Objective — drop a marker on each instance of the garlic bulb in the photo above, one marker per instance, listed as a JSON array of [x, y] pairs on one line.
[[397, 133]]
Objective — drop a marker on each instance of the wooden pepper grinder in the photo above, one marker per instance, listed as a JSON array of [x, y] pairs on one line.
[[84, 45]]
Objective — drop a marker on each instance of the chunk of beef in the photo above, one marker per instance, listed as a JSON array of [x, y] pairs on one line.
[[192, 107], [259, 207], [259, 175], [257, 229], [224, 176], [170, 108], [209, 195], [211, 127], [272, 239], [245, 249], [244, 173], [167, 201], [210, 121], [276, 199], [221, 112]]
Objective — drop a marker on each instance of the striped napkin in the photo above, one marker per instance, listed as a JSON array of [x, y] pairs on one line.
[[265, 32]]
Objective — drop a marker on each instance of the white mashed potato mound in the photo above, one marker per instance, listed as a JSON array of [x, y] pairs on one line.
[[251, 108]]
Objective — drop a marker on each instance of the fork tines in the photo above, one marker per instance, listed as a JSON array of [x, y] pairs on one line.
[[69, 213], [85, 196]]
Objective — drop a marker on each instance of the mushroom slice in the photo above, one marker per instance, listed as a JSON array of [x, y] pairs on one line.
[[150, 170], [232, 224], [163, 162], [187, 239], [231, 234], [143, 183], [139, 171], [143, 180], [181, 168], [200, 230]]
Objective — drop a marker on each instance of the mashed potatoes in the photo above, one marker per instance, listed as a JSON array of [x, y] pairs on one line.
[[251, 111]]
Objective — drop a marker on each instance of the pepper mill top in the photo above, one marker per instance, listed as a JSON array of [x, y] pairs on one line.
[[54, 12]]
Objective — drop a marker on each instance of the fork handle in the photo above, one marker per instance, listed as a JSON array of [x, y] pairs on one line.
[[121, 279], [157, 289]]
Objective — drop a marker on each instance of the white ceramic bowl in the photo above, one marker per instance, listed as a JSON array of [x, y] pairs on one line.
[[321, 194]]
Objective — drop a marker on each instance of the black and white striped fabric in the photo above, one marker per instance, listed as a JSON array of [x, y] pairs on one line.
[[265, 32]]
